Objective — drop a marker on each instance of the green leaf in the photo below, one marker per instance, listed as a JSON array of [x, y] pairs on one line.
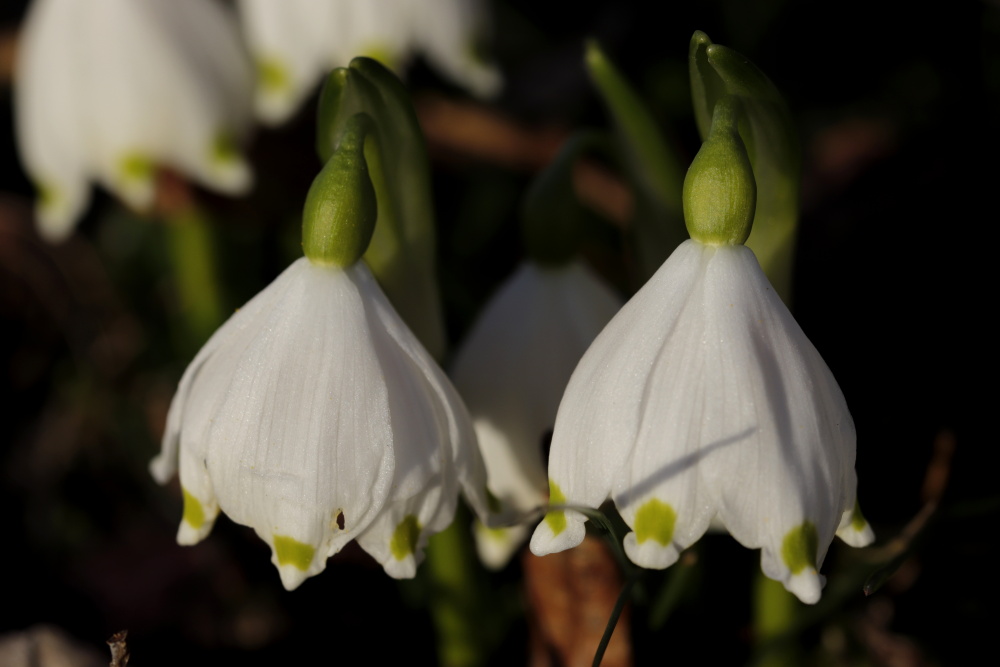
[[654, 170]]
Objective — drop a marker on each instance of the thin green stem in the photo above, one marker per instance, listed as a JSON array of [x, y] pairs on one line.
[[194, 272], [616, 613], [454, 600]]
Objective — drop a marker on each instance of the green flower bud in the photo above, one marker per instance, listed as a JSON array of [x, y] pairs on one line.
[[341, 209], [720, 192]]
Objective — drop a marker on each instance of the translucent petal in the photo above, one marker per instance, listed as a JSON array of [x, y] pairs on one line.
[[515, 363], [49, 130]]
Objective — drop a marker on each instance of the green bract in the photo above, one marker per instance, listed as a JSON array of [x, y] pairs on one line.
[[341, 208], [553, 220], [771, 142], [402, 249], [720, 192]]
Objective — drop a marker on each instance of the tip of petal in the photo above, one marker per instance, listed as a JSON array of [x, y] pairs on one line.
[[162, 468], [188, 535], [484, 82], [291, 576], [650, 553], [857, 536], [232, 177], [405, 568], [551, 536], [496, 546], [274, 107], [806, 585]]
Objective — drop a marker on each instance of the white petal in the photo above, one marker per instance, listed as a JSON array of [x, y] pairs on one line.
[[49, 131], [599, 416], [291, 42], [796, 463], [496, 546], [855, 529], [447, 32], [514, 366], [283, 444], [458, 439]]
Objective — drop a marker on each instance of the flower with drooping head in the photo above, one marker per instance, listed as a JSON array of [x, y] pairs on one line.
[[703, 400], [512, 370], [296, 42], [314, 415], [109, 90]]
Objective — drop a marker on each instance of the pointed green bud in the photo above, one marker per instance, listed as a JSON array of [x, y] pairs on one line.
[[553, 220], [341, 209], [651, 166], [772, 144], [720, 192]]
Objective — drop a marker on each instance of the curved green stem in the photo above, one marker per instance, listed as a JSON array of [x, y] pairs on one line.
[[192, 257], [616, 613]]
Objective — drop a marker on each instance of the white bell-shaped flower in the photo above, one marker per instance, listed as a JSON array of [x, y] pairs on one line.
[[703, 400], [296, 42], [315, 416], [107, 90], [512, 370]]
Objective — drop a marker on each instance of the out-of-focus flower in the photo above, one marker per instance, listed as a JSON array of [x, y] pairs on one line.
[[703, 399], [296, 42], [109, 90], [512, 370], [315, 416]]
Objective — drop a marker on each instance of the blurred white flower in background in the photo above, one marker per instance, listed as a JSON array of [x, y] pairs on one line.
[[109, 90], [296, 42], [314, 416], [703, 399], [512, 370]]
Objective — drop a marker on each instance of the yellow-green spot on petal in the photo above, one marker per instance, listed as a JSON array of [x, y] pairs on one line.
[[497, 534], [292, 552], [798, 549], [136, 167], [224, 149], [48, 195], [194, 513], [655, 520], [404, 538], [272, 75], [556, 519], [858, 521]]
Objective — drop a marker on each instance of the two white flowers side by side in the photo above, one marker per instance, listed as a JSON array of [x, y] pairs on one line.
[[109, 91]]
